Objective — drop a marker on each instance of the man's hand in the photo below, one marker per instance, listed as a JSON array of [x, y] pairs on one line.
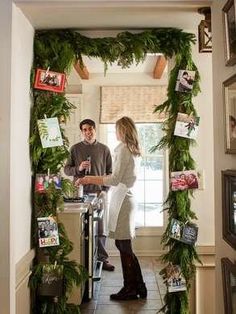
[[85, 165]]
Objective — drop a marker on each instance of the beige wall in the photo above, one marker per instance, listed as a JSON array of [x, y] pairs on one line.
[[222, 161]]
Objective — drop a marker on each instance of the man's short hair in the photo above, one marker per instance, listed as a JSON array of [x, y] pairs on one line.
[[87, 121]]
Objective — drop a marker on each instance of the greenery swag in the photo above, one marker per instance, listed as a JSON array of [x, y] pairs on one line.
[[59, 50]]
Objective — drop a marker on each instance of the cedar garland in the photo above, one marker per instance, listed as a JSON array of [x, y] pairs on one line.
[[59, 49]]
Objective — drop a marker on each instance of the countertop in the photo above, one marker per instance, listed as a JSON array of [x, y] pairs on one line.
[[80, 208]]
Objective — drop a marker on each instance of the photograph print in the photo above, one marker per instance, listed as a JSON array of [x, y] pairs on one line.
[[50, 81], [184, 180], [183, 232], [174, 279], [176, 229], [185, 81], [43, 181], [47, 231], [186, 126]]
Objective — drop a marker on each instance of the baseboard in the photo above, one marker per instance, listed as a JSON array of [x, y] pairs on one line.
[[152, 253], [204, 252], [22, 290]]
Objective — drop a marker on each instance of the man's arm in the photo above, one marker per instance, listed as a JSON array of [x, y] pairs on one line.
[[71, 168]]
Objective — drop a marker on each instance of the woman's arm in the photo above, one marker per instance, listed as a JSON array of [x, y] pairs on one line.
[[96, 180]]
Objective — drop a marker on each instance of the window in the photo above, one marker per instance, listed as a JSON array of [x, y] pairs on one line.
[[150, 182]]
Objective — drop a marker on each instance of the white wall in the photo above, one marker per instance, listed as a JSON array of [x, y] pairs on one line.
[[6, 260], [222, 161], [22, 55], [203, 204], [15, 58], [203, 201]]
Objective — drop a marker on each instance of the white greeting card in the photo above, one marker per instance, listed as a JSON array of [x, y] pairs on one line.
[[49, 132], [186, 126]]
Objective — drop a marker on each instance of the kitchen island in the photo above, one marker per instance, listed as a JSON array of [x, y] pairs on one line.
[[80, 222]]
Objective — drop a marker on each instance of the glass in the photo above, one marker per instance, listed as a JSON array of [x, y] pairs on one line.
[[229, 206]]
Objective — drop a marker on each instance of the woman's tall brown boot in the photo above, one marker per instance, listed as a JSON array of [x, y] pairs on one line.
[[128, 292], [141, 287]]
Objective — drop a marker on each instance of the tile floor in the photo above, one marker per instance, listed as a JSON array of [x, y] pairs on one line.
[[111, 282]]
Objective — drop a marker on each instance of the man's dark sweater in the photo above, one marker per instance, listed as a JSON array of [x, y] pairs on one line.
[[101, 162]]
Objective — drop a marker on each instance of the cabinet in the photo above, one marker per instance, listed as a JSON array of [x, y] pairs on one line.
[[73, 219]]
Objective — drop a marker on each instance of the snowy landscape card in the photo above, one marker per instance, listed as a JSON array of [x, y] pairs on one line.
[[176, 229], [49, 132], [186, 126], [175, 279], [185, 81], [47, 231]]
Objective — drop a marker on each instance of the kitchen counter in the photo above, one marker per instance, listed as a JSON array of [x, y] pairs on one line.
[[80, 207]]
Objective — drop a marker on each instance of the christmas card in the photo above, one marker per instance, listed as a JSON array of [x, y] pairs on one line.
[[52, 280], [184, 180], [186, 126], [43, 182], [50, 81], [49, 132], [183, 232], [47, 231], [185, 81], [174, 279]]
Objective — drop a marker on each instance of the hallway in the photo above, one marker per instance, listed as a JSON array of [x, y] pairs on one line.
[[111, 282]]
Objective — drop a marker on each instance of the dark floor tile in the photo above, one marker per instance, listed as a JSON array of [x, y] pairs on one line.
[[112, 282], [90, 305], [86, 311], [116, 309]]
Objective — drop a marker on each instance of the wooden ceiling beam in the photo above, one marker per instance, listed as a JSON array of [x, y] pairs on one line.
[[82, 71], [159, 67]]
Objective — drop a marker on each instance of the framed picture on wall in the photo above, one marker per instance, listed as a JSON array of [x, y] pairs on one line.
[[229, 91], [229, 285], [229, 206], [229, 32]]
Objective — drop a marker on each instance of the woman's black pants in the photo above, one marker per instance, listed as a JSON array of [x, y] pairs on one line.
[[130, 265]]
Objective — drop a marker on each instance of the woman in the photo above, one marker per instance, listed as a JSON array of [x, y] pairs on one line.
[[121, 211]]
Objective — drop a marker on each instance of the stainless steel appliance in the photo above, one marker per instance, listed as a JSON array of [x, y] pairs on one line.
[[93, 266]]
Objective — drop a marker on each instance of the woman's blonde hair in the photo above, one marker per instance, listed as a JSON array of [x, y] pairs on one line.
[[129, 135]]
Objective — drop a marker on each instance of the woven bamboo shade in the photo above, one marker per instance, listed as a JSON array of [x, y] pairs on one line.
[[136, 102]]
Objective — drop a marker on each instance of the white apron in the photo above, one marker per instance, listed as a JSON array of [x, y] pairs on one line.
[[117, 197]]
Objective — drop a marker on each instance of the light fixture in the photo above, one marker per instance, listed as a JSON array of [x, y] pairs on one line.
[[204, 31]]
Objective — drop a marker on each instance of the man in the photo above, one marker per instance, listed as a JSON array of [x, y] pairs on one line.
[[94, 158]]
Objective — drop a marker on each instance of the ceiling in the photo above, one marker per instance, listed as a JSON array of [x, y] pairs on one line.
[[107, 18], [112, 14]]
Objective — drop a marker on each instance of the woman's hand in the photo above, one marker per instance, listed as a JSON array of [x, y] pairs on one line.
[[83, 181]]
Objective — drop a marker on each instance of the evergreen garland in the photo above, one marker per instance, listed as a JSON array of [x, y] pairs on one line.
[[59, 49]]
